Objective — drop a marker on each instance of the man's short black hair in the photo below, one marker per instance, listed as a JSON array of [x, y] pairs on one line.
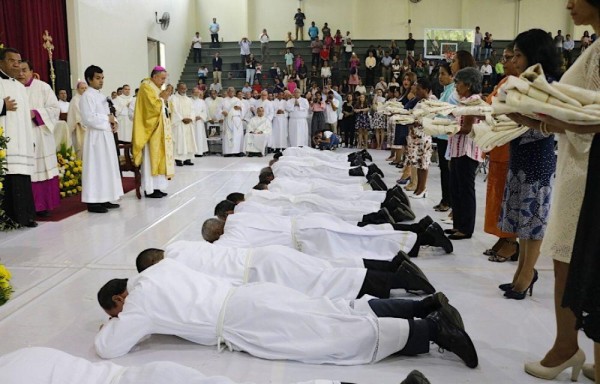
[[265, 176], [4, 51], [90, 72], [235, 197], [29, 64], [148, 257], [222, 209], [261, 187], [110, 289]]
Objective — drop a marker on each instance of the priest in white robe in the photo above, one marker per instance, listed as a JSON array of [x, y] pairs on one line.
[[122, 104], [101, 179], [45, 112], [287, 267], [40, 365], [258, 133], [183, 121], [317, 234], [233, 128], [280, 135], [304, 152], [351, 192], [76, 127], [297, 108], [15, 118], [268, 321], [333, 174], [201, 117], [215, 119]]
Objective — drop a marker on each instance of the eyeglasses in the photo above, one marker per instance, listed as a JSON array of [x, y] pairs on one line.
[[507, 58]]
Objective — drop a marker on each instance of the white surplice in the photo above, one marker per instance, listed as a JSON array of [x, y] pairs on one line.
[[233, 129], [201, 117], [280, 134], [258, 133], [317, 234], [122, 104], [315, 153], [43, 101], [39, 365], [270, 264], [298, 125], [17, 125], [263, 319], [184, 139], [290, 186], [76, 127], [101, 179]]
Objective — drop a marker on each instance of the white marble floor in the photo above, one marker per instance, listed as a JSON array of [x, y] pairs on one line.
[[59, 267]]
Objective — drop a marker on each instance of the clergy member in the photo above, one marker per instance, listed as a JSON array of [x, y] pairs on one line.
[[101, 179], [44, 115], [258, 134], [297, 107], [122, 103], [15, 118], [269, 321], [63, 104], [182, 118], [215, 119], [76, 127], [152, 136], [233, 129], [279, 135], [201, 117]]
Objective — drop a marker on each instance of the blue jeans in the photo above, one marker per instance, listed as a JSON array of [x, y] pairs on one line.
[[250, 75], [476, 51], [334, 141]]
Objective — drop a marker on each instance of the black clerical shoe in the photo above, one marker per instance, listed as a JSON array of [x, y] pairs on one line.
[[188, 162], [366, 155], [451, 336], [161, 192], [415, 377], [97, 208], [394, 203], [394, 192], [431, 304], [198, 155], [373, 168], [31, 224], [380, 217], [356, 171], [381, 186], [179, 163], [425, 222], [403, 213], [434, 236], [411, 278], [358, 161], [241, 154], [399, 191], [43, 213], [154, 195], [110, 205]]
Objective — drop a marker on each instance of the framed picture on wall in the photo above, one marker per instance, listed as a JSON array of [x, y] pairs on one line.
[[443, 43]]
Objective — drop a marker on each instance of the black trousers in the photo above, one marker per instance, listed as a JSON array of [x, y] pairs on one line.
[[316, 59], [349, 133], [18, 199], [377, 283], [197, 55], [462, 187], [370, 77], [442, 145], [214, 39]]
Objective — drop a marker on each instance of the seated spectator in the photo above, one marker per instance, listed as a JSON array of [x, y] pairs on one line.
[[275, 72], [246, 88], [202, 72]]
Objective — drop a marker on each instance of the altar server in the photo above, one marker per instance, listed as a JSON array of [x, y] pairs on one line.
[[122, 104], [280, 134]]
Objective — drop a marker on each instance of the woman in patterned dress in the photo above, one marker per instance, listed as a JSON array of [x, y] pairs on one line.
[[361, 109], [379, 119]]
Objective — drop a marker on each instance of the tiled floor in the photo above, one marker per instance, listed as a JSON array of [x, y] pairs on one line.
[[58, 268]]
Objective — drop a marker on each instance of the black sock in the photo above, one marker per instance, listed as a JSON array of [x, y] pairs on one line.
[[419, 310], [398, 308], [380, 265], [418, 338], [414, 252]]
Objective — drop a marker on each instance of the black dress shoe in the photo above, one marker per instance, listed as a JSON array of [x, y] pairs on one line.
[[366, 155], [241, 154], [161, 192], [43, 213], [356, 171], [97, 208], [399, 193], [425, 222], [380, 217], [411, 278], [459, 236], [373, 168], [198, 155], [403, 213], [434, 236], [154, 195], [31, 224], [415, 377], [188, 162], [431, 304], [381, 186], [110, 205], [451, 335], [179, 163]]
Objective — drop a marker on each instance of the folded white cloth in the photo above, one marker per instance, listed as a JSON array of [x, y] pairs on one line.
[[439, 126], [491, 133], [402, 119]]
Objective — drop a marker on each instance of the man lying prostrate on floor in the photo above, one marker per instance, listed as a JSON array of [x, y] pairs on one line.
[[286, 266], [428, 232], [39, 365], [293, 186], [338, 173], [327, 156], [271, 321]]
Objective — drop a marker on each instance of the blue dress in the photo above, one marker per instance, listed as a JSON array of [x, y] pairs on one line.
[[526, 201]]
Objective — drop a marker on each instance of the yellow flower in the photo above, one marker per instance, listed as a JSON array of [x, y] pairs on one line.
[[4, 284], [68, 173], [79, 188], [1, 131], [5, 273], [62, 194], [1, 185], [2, 153]]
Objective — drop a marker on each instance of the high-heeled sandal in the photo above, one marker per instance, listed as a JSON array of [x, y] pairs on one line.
[[496, 258], [511, 294], [549, 373]]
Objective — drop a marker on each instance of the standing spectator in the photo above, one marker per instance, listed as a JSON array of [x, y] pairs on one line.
[[487, 44], [289, 60], [338, 41], [396, 67], [197, 46], [324, 53], [214, 29], [244, 49], [394, 50], [348, 47], [264, 46], [353, 77], [585, 41], [559, 39], [378, 119], [568, 47], [486, 71], [420, 70], [386, 66], [331, 112], [477, 44], [348, 121], [315, 47], [410, 45], [299, 18], [217, 63], [250, 69], [335, 71], [370, 64], [302, 75], [317, 106], [499, 69], [313, 31], [363, 125], [289, 42], [325, 73]]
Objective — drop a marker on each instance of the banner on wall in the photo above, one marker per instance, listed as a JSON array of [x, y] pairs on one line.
[[443, 43]]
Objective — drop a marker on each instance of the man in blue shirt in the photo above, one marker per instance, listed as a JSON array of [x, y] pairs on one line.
[[214, 33], [313, 31]]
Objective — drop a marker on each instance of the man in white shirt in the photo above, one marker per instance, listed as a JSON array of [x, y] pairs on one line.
[[477, 44], [214, 29], [279, 136], [230, 112], [183, 120], [568, 47], [269, 321], [486, 71], [258, 134], [197, 47], [215, 122], [63, 104], [264, 46], [76, 127], [201, 117], [298, 107], [122, 104], [244, 44], [45, 111], [101, 179], [216, 86], [331, 112]]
